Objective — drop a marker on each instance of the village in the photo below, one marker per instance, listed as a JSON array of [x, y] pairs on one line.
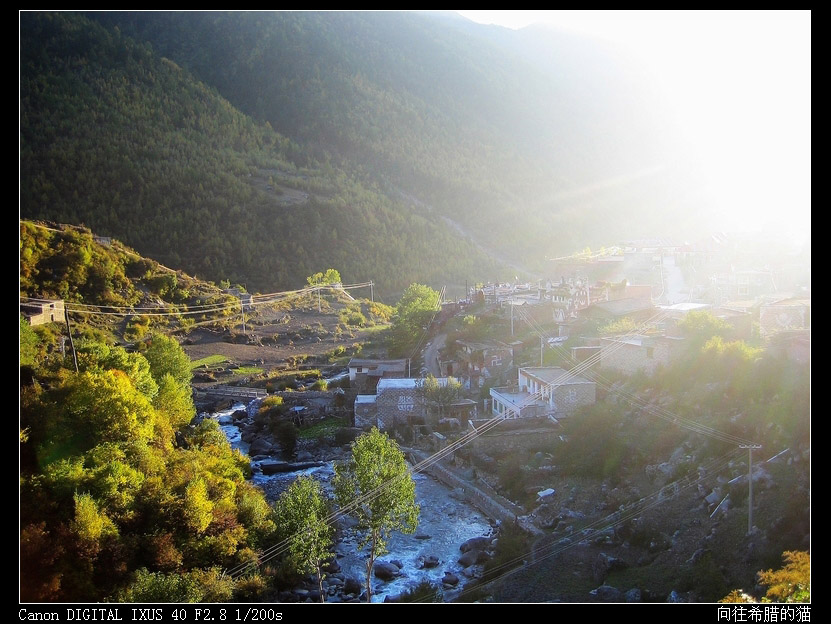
[[504, 377], [548, 418]]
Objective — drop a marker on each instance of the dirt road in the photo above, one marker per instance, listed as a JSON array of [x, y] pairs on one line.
[[431, 354]]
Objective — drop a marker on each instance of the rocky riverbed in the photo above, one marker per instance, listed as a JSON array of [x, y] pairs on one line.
[[432, 553]]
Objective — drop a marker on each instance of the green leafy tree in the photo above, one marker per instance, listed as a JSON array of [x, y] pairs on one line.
[[700, 326], [165, 355], [301, 517], [175, 401], [375, 487], [331, 276], [106, 407], [413, 313], [196, 506], [28, 343], [137, 368], [437, 395]]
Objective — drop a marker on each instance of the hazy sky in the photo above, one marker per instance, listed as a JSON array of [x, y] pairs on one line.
[[740, 82]]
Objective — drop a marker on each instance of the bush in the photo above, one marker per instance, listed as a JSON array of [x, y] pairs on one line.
[[272, 404], [423, 592], [510, 550], [345, 435], [286, 436]]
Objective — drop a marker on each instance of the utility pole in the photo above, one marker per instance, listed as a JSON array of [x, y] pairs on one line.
[[750, 448], [540, 350], [71, 342], [318, 299], [512, 317], [242, 310], [372, 291]]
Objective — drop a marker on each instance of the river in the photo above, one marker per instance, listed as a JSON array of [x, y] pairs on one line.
[[445, 522]]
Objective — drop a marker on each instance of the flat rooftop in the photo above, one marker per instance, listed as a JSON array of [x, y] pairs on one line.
[[406, 384], [553, 375]]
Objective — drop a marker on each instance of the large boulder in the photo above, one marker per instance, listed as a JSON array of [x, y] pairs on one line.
[[386, 571], [479, 543], [472, 557], [260, 446], [450, 579], [428, 561], [604, 564], [633, 595], [352, 586], [607, 593], [272, 466]]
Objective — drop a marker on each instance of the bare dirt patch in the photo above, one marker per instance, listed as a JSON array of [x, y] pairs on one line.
[[277, 336]]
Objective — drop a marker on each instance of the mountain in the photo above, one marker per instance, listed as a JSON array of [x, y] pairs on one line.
[[115, 137], [262, 147]]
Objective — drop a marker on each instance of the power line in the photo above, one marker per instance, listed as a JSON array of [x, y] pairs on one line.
[[276, 549], [614, 519]]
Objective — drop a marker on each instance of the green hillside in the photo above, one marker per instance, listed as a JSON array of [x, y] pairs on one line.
[[550, 139], [128, 143]]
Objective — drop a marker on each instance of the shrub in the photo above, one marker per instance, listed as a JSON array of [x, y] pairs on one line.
[[345, 435], [423, 592], [286, 435]]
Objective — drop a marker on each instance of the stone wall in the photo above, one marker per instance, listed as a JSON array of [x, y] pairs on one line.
[[774, 318], [366, 415], [569, 397], [398, 406], [489, 504], [501, 443], [629, 358]]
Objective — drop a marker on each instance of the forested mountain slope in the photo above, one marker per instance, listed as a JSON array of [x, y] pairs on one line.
[[551, 139], [115, 137]]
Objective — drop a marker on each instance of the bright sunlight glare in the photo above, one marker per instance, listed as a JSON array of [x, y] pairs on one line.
[[739, 84]]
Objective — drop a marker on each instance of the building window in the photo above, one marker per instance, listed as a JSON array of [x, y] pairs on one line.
[[744, 291]]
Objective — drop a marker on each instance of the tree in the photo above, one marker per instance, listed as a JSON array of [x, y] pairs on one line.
[[175, 401], [165, 355], [700, 326], [438, 395], [28, 343], [413, 313], [331, 276], [791, 583], [375, 486], [301, 516]]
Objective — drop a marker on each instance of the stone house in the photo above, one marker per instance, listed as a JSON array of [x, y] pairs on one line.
[[786, 314], [401, 402], [44, 311], [477, 361], [542, 391], [364, 374], [633, 353]]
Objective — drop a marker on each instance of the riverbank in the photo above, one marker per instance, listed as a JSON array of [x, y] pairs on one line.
[[432, 553]]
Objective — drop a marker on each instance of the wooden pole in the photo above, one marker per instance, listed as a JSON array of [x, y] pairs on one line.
[[71, 342]]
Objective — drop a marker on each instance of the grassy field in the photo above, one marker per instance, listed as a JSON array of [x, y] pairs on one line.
[[211, 360], [323, 429], [248, 370]]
